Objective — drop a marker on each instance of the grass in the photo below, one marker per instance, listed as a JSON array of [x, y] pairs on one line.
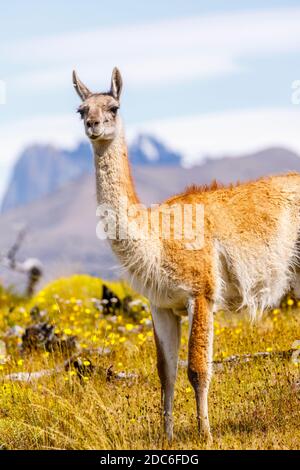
[[254, 405]]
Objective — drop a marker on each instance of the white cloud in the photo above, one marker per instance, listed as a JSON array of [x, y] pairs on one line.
[[163, 51], [137, 71], [227, 133]]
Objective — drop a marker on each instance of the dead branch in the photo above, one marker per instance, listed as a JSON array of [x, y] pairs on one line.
[[31, 267], [109, 374]]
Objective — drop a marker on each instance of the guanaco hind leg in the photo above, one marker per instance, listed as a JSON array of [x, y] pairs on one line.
[[200, 358], [167, 329]]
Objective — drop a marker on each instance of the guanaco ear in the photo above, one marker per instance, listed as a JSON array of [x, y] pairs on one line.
[[81, 89], [116, 83]]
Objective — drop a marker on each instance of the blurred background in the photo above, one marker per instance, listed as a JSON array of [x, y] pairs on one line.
[[210, 91]]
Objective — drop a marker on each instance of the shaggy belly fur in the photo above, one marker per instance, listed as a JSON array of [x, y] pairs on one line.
[[256, 280]]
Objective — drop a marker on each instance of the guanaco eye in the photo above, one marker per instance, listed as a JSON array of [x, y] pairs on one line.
[[114, 109], [81, 112]]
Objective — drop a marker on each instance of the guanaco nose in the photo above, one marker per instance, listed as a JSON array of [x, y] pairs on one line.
[[91, 123]]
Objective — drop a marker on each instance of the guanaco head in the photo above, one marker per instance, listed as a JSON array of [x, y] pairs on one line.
[[99, 111]]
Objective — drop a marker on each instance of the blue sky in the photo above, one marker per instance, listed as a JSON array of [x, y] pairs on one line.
[[211, 78]]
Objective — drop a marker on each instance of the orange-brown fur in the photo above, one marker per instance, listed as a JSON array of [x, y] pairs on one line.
[[199, 366]]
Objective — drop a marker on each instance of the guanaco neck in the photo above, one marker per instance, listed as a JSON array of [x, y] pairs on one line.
[[114, 182], [113, 173]]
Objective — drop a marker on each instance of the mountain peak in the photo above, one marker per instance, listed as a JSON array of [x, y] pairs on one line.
[[42, 169], [147, 150]]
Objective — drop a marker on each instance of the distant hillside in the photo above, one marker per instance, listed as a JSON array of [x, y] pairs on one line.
[[43, 169], [62, 226], [267, 162]]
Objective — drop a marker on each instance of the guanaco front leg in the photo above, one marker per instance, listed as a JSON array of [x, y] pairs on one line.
[[200, 358], [167, 330]]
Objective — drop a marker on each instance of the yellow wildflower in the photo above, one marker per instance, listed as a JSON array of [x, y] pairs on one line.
[[67, 331]]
